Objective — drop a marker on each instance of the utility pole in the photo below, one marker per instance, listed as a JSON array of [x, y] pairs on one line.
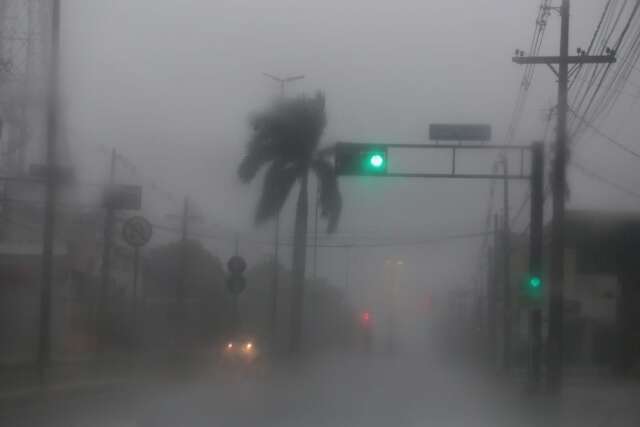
[[185, 217], [107, 243], [282, 81], [315, 233], [556, 311], [44, 338], [184, 256], [558, 186], [506, 264]]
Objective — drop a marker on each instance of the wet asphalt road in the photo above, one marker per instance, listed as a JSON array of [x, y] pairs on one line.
[[333, 391]]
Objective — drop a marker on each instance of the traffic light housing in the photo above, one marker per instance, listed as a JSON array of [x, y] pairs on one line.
[[533, 288], [361, 159]]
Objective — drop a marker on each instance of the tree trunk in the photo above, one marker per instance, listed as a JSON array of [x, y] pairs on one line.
[[299, 264]]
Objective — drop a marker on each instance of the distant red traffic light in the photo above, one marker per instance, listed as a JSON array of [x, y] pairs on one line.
[[365, 318]]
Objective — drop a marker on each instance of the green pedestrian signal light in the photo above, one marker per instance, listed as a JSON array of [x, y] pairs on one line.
[[532, 290], [361, 159], [535, 282]]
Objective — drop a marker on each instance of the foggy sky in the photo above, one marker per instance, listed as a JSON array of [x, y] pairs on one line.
[[170, 84]]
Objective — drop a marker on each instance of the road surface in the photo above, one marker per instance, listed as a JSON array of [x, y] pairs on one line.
[[336, 391]]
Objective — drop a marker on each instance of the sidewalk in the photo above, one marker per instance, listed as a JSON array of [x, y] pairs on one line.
[[23, 381], [611, 403], [121, 368], [587, 402]]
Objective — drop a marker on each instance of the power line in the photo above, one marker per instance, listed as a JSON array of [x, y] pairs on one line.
[[596, 130], [392, 243], [594, 175]]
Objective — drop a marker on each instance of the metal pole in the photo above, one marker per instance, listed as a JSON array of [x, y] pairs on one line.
[[274, 288], [107, 243], [274, 297], [348, 268], [535, 259], [492, 319], [315, 233], [557, 223], [181, 291], [497, 279], [237, 243], [44, 338], [506, 264], [134, 314]]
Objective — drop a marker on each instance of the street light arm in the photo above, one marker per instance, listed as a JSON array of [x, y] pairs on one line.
[[271, 76], [294, 78]]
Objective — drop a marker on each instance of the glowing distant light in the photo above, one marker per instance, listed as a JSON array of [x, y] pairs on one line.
[[249, 346], [230, 345]]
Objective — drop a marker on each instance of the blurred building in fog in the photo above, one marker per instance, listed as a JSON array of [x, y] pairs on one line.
[[601, 293]]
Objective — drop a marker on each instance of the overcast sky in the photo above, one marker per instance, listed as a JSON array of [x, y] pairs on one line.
[[170, 84]]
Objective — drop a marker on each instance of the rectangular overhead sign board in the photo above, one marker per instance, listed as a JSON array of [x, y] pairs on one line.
[[61, 174], [126, 197], [459, 132]]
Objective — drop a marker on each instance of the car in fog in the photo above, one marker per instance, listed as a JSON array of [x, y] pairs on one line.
[[241, 353], [243, 350]]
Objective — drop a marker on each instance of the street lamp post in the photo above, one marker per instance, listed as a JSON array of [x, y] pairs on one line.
[[282, 81]]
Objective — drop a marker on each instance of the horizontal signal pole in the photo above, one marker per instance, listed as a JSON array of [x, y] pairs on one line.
[[446, 175]]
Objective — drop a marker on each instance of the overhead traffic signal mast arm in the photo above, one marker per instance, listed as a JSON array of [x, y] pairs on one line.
[[355, 159]]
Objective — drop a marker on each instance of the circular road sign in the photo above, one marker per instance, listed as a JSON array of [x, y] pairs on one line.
[[236, 284], [136, 231], [236, 264]]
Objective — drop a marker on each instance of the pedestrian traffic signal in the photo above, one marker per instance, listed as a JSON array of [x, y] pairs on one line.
[[533, 288], [535, 282], [360, 159], [236, 283]]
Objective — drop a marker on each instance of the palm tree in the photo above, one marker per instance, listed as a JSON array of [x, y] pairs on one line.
[[285, 139]]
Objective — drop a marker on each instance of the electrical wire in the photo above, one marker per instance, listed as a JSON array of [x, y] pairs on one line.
[[596, 176], [597, 131]]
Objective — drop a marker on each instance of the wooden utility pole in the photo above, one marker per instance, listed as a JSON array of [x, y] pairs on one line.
[[558, 186], [44, 337]]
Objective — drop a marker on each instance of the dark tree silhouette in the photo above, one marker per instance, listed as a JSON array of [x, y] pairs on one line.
[[285, 139]]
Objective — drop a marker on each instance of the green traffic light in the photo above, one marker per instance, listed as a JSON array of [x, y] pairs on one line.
[[535, 282], [376, 160]]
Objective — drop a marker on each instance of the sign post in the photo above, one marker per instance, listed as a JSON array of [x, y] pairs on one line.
[[137, 232], [236, 284]]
